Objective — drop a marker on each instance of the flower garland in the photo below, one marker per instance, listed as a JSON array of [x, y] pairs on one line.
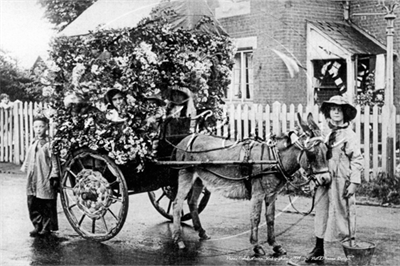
[[140, 61]]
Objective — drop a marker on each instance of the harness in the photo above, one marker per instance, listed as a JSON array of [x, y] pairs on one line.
[[272, 166]]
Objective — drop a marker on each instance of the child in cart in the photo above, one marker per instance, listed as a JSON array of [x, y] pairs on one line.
[[43, 179], [154, 118], [115, 99]]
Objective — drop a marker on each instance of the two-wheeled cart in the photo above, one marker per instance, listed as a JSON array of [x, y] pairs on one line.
[[94, 190]]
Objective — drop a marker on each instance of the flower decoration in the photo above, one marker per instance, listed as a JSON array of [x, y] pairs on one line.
[[144, 60]]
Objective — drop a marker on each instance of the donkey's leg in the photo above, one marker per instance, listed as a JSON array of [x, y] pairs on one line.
[[270, 217], [185, 182], [193, 201], [256, 208]]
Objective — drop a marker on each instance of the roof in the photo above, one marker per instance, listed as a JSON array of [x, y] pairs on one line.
[[350, 38], [187, 14], [117, 14]]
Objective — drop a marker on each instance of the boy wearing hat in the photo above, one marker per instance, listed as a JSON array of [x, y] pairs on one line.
[[42, 174], [333, 201]]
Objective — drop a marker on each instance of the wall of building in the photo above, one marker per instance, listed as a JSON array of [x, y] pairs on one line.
[[280, 25], [376, 26]]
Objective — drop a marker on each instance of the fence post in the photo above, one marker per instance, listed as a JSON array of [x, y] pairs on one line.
[[366, 142], [276, 110], [3, 131], [16, 126]]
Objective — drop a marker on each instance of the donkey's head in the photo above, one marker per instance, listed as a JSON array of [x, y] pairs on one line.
[[313, 156]]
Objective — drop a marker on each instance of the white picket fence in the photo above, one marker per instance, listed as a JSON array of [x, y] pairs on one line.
[[245, 120]]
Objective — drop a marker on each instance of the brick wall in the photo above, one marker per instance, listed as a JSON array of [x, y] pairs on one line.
[[376, 25], [280, 25]]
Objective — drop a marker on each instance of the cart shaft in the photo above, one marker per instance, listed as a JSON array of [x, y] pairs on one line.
[[194, 163]]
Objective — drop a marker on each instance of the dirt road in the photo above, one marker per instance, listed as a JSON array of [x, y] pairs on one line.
[[146, 236]]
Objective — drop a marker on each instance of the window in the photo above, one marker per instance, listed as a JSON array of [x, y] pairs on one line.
[[329, 78], [370, 81], [242, 81]]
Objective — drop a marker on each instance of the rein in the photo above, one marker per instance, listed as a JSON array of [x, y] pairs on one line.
[[190, 143]]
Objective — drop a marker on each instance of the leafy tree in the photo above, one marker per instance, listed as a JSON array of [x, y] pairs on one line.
[[63, 12], [16, 82]]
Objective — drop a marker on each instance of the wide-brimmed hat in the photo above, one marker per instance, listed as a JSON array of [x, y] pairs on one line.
[[349, 111], [156, 97], [111, 93]]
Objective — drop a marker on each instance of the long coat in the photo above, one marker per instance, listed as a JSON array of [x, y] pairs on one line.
[[332, 209], [40, 167]]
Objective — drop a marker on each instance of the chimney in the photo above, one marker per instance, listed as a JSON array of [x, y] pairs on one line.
[[346, 10]]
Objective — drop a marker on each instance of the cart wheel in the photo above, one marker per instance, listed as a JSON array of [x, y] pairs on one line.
[[94, 195], [163, 198]]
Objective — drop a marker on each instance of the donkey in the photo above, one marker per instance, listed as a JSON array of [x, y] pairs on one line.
[[248, 179]]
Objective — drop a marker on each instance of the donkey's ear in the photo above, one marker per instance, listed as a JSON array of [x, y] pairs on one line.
[[293, 137], [304, 126], [313, 126]]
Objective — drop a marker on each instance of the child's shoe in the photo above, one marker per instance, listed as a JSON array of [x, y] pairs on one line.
[[34, 232], [44, 232]]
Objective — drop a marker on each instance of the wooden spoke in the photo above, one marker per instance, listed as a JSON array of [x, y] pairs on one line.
[[112, 183], [93, 225], [116, 198], [104, 222], [104, 169], [80, 164], [81, 220], [160, 198], [169, 206], [116, 218], [72, 173]]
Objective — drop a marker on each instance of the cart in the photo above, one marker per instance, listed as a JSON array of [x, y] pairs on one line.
[[95, 191]]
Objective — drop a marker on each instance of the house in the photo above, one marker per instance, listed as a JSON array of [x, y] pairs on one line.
[[291, 51], [303, 52]]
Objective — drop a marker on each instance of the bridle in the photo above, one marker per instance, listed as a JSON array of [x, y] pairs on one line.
[[310, 173]]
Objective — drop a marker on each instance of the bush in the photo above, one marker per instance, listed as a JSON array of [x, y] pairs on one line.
[[384, 188]]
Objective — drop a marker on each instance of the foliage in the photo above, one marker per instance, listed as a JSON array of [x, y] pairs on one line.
[[370, 96], [147, 59], [63, 12], [16, 82], [384, 188]]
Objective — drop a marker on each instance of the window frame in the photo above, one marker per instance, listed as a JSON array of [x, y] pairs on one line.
[[248, 79]]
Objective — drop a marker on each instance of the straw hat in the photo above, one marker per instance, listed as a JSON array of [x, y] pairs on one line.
[[156, 97], [349, 111]]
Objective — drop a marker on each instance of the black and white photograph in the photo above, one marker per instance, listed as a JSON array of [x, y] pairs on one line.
[[200, 132]]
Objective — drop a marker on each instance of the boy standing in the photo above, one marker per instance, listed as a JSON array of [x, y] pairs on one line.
[[334, 203], [42, 172]]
